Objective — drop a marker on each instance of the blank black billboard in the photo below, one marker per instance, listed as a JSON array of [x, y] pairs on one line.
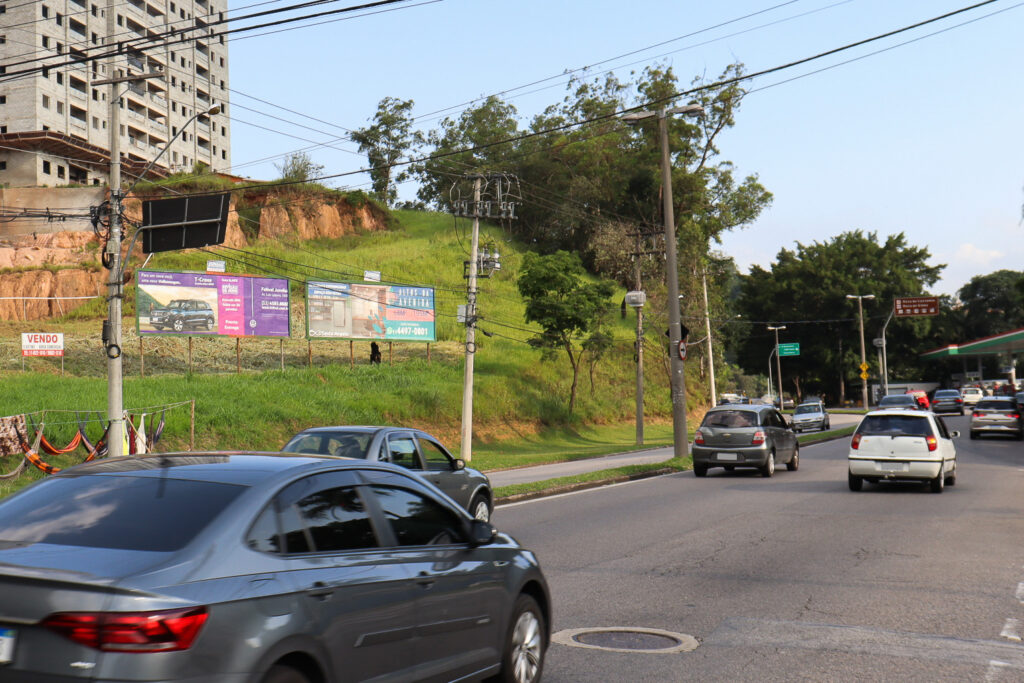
[[184, 222]]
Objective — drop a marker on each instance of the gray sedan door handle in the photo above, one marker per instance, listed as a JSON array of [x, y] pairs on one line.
[[320, 590], [425, 580]]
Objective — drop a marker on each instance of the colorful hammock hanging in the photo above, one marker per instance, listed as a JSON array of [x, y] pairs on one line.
[[32, 455], [153, 437], [101, 447], [47, 446]]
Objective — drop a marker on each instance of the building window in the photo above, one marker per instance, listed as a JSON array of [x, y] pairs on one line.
[[46, 128], [95, 123], [60, 78], [60, 48], [173, 9], [3, 9], [46, 41], [3, 39], [95, 94], [60, 107], [3, 99], [46, 167], [222, 61], [60, 171], [3, 130], [46, 12], [120, 20], [224, 154], [46, 101], [95, 39], [3, 165], [60, 19], [95, 11]]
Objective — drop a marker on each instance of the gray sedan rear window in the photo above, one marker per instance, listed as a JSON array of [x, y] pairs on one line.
[[158, 514], [990, 404], [730, 418], [895, 425]]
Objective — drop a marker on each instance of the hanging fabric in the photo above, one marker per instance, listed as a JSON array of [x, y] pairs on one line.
[[32, 455], [20, 432], [151, 439], [101, 447], [11, 429], [47, 446], [140, 436]]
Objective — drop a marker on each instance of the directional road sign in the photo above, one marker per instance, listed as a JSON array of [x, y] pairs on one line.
[[908, 306], [790, 349]]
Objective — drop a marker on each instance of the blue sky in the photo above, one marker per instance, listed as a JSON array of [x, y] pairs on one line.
[[924, 138]]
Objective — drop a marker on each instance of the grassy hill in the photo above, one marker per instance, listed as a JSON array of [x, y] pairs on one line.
[[517, 393]]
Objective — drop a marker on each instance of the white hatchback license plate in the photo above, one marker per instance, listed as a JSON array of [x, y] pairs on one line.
[[6, 645], [727, 456], [893, 466]]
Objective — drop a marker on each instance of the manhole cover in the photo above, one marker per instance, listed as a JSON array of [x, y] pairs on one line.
[[627, 639]]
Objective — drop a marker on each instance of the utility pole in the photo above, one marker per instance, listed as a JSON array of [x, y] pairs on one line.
[[636, 299], [711, 348], [467, 385], [863, 351], [778, 362], [115, 279]]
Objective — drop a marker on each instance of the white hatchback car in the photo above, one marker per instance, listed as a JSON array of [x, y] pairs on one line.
[[903, 444], [971, 395]]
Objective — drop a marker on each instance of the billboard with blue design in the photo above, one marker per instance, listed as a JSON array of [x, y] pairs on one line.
[[346, 310]]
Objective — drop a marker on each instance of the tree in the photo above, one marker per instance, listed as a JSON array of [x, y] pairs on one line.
[[811, 283], [567, 308], [385, 143], [298, 168], [992, 304]]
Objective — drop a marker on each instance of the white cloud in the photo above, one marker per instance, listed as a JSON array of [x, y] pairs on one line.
[[969, 254]]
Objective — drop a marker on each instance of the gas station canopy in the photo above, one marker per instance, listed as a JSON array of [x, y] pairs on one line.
[[1006, 343]]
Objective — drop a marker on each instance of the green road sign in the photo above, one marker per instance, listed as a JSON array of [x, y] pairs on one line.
[[791, 349]]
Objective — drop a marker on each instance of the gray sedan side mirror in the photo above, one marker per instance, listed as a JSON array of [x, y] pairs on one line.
[[481, 533], [460, 464]]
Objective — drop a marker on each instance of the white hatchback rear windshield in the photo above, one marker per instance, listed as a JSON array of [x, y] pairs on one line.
[[895, 425]]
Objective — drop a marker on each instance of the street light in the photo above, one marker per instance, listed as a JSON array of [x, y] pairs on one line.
[[677, 378], [778, 362], [863, 353]]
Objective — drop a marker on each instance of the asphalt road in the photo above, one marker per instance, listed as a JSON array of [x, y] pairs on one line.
[[569, 469], [793, 578]]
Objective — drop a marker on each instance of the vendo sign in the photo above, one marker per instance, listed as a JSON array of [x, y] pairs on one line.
[[42, 343]]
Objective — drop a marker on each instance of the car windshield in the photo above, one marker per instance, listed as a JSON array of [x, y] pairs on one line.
[[342, 443], [813, 408], [730, 418], [894, 425], [157, 514]]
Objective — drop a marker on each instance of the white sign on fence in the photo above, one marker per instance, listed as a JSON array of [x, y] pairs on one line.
[[42, 343]]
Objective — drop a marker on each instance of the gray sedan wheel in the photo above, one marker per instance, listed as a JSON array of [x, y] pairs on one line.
[[284, 674], [769, 467], [178, 324], [480, 509], [523, 659], [794, 463]]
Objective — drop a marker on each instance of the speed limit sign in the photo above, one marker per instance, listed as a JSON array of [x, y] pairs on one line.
[[682, 350]]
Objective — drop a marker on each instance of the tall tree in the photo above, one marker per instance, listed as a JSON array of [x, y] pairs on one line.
[[566, 306], [811, 284], [992, 304], [385, 142]]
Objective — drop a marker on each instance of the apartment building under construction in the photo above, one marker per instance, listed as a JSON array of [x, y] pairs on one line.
[[55, 121]]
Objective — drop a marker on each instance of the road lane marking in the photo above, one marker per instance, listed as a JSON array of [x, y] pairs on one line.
[[1020, 591], [994, 670], [742, 632], [1011, 630], [505, 506]]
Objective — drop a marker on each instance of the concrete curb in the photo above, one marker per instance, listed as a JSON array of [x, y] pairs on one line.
[[581, 486]]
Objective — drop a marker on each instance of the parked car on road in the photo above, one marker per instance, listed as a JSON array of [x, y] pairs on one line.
[[947, 401], [900, 444], [413, 449], [971, 395], [181, 314], [260, 568], [997, 415], [899, 401], [744, 436], [810, 416]]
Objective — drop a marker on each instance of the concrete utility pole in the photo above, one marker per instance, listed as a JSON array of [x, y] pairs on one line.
[[711, 348], [112, 259], [863, 351], [680, 441], [778, 362], [467, 385]]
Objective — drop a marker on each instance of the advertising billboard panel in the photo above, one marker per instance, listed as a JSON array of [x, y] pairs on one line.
[[346, 310], [42, 343], [204, 303]]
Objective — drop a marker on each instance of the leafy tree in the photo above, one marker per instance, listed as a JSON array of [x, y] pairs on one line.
[[490, 121], [298, 168], [387, 141], [567, 308], [811, 283], [992, 304]]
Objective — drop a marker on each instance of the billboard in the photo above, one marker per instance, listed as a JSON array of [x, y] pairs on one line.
[[42, 343], [907, 306], [204, 303], [345, 310]]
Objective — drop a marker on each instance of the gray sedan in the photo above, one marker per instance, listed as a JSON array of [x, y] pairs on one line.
[[744, 436], [810, 416], [260, 568], [411, 448]]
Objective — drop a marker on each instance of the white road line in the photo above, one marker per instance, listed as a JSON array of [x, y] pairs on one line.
[[1011, 630], [995, 669], [1020, 591]]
